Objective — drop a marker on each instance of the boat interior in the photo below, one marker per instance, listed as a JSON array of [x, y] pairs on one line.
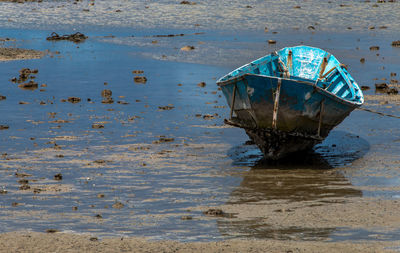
[[305, 64]]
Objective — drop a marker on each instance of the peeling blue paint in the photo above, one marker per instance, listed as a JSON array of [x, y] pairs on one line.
[[316, 92]]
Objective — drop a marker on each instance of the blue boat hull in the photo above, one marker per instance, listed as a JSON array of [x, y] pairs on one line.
[[290, 100], [304, 117], [299, 104]]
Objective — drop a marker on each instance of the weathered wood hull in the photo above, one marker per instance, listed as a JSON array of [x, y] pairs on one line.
[[283, 115]]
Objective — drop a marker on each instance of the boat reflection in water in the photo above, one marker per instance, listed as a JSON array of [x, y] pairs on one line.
[[293, 183]]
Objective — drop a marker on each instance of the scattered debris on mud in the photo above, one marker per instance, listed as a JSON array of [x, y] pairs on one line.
[[106, 93], [186, 217], [140, 79], [385, 88], [31, 85], [163, 139], [74, 100], [188, 3], [217, 213], [76, 37], [117, 205], [201, 84], [58, 177], [166, 108], [24, 75], [51, 230], [97, 126], [396, 43], [137, 71]]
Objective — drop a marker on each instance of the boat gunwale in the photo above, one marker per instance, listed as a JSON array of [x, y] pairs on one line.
[[319, 89]]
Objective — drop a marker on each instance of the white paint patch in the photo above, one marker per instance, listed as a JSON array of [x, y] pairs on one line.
[[250, 91], [308, 96]]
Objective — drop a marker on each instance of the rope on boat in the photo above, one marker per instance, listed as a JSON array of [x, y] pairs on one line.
[[379, 113]]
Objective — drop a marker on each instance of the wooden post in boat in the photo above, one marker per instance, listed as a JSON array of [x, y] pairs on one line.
[[323, 66], [233, 101], [321, 112], [276, 103], [290, 63]]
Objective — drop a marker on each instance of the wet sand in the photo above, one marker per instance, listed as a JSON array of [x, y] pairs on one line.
[[121, 146], [59, 242], [8, 54]]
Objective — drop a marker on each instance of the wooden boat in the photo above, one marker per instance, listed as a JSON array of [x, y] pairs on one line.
[[290, 100]]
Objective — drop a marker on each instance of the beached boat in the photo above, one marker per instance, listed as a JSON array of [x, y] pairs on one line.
[[290, 100]]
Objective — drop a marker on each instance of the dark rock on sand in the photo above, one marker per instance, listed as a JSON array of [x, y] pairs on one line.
[[23, 181], [118, 205], [140, 79], [76, 37], [208, 116], [74, 100], [214, 212], [100, 161], [31, 85], [163, 139], [21, 175], [381, 86], [37, 190], [165, 108], [51, 230], [24, 187], [106, 93], [188, 3], [396, 43], [392, 91], [186, 217], [137, 71], [97, 126], [201, 84], [384, 88], [107, 101], [58, 177]]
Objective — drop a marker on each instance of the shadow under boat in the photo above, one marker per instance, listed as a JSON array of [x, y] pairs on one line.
[[308, 179]]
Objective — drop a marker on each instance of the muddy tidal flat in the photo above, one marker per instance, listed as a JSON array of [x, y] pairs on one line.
[[112, 135]]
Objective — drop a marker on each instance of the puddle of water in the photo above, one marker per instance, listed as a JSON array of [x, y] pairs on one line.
[[165, 165]]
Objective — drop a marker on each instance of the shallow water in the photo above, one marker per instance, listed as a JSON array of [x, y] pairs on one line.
[[206, 164]]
